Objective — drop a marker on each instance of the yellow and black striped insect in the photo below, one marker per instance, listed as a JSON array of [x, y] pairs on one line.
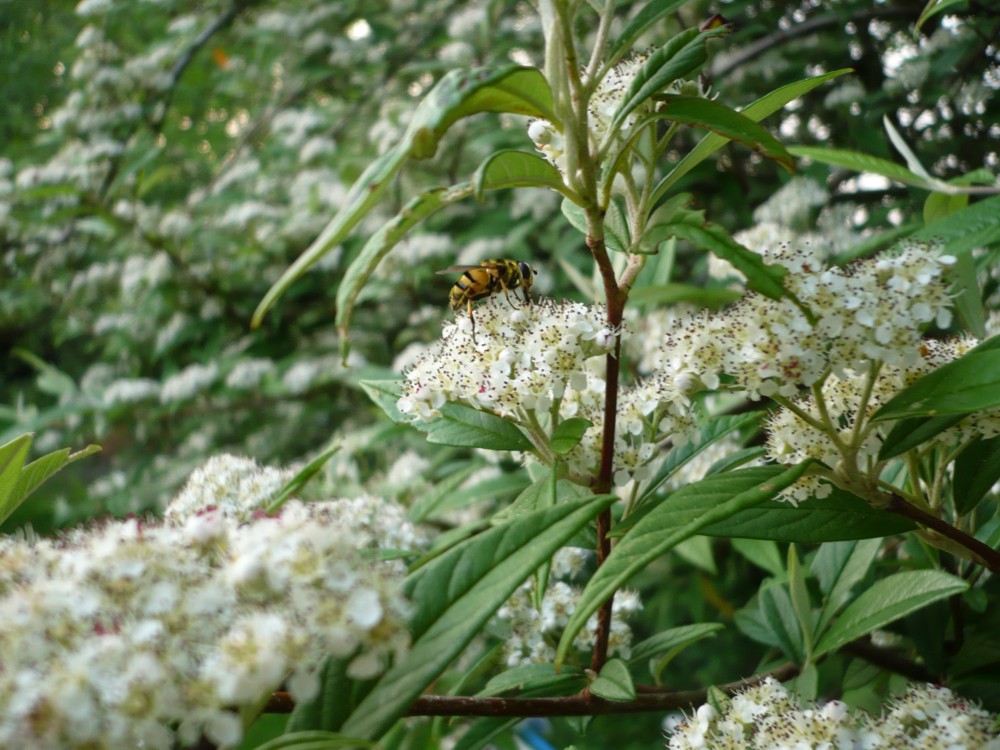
[[486, 279]]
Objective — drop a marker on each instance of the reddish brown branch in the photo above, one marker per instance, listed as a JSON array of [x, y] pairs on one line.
[[649, 699], [981, 552]]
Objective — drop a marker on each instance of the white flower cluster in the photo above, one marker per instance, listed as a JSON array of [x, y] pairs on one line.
[[136, 634], [766, 717], [521, 361], [791, 440], [535, 632], [873, 311]]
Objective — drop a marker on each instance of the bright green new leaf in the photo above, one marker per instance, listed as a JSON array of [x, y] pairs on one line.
[[861, 162], [614, 682], [886, 601], [968, 384], [730, 124], [779, 616], [457, 593], [680, 516], [12, 457], [302, 478], [960, 232]]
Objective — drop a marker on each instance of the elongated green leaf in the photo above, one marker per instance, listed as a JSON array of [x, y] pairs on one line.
[[674, 638], [539, 495], [314, 740], [457, 593], [886, 601], [34, 474], [907, 434], [756, 111], [977, 469], [329, 708], [967, 295], [363, 195], [763, 553], [839, 517], [761, 277], [932, 8], [970, 383], [861, 162], [840, 566], [615, 228], [715, 430], [534, 677], [800, 601], [960, 232], [426, 505], [384, 240], [779, 615], [644, 19], [614, 683], [465, 427], [458, 94], [682, 515], [301, 479], [508, 169], [12, 457], [730, 124], [681, 56]]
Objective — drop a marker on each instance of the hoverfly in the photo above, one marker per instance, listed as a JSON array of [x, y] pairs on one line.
[[488, 278]]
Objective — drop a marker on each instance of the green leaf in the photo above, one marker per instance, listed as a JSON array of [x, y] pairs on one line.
[[643, 20], [362, 197], [538, 496], [860, 162], [457, 593], [907, 434], [314, 740], [932, 8], [681, 56], [508, 169], [329, 708], [961, 232], [385, 394], [762, 553], [534, 677], [761, 277], [12, 456], [839, 567], [465, 427], [716, 429], [756, 111], [568, 434], [427, 505], [29, 478], [779, 616], [459, 94], [841, 516], [970, 383], [615, 229], [886, 601], [939, 205], [977, 469], [680, 516], [674, 639], [800, 601], [614, 683], [967, 295], [730, 124], [301, 479], [384, 240]]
